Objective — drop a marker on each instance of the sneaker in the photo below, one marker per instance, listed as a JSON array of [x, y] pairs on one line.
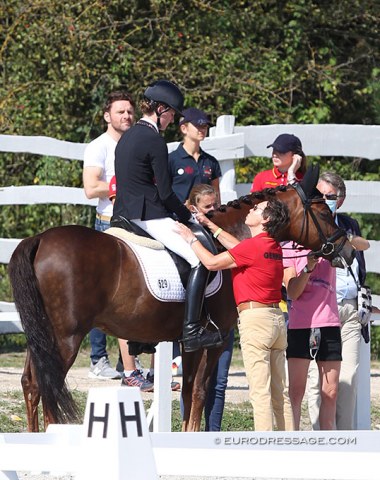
[[136, 379], [175, 386], [177, 366], [103, 370]]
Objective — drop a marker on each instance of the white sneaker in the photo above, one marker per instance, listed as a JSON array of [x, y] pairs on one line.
[[103, 370], [177, 366]]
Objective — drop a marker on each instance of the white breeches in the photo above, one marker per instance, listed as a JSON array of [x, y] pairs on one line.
[[163, 230]]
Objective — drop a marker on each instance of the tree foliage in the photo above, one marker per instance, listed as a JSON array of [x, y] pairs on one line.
[[263, 61]]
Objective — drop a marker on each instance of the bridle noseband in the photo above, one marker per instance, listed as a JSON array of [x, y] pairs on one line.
[[328, 247]]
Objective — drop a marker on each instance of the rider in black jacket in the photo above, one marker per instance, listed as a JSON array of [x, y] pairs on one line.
[[144, 195]]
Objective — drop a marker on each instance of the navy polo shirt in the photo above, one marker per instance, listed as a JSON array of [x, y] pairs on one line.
[[186, 172]]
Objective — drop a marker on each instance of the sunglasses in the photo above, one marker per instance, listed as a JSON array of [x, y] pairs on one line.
[[331, 196]]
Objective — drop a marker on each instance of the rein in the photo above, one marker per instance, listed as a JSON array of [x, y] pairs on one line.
[[328, 247]]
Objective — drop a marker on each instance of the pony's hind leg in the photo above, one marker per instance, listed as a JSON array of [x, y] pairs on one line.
[[31, 394]]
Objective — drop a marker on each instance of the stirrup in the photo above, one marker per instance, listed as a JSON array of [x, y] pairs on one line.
[[202, 339], [209, 340]]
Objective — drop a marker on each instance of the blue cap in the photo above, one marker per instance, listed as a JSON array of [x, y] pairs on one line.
[[287, 142], [195, 116]]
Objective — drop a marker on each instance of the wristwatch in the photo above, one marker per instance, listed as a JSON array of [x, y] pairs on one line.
[[306, 270]]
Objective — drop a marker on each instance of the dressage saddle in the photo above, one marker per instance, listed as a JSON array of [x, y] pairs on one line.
[[183, 267]]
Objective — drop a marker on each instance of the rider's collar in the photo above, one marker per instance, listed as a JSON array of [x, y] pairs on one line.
[[151, 123]]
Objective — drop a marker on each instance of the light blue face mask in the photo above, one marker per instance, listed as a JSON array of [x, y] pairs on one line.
[[332, 205]]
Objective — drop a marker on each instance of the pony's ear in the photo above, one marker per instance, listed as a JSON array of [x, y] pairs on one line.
[[310, 180]]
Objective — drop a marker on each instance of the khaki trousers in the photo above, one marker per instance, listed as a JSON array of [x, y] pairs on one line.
[[348, 378], [263, 343]]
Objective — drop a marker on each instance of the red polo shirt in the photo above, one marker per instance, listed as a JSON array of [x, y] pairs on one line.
[[259, 272], [271, 179]]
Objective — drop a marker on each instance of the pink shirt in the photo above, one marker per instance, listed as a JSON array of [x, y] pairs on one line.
[[317, 305]]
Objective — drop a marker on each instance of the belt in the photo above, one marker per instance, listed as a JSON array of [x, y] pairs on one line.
[[248, 305], [103, 218]]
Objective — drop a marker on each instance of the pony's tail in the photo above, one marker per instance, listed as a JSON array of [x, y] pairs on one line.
[[47, 361]]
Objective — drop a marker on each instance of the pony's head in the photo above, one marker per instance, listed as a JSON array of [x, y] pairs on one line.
[[311, 225]]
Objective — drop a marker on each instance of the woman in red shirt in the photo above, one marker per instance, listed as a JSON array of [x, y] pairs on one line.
[[257, 270]]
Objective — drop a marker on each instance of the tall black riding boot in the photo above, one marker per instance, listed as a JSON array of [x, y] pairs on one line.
[[194, 335]]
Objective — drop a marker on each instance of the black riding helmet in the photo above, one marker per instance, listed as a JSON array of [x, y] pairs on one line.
[[163, 91]]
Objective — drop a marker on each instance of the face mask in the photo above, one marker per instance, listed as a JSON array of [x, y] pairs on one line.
[[332, 205]]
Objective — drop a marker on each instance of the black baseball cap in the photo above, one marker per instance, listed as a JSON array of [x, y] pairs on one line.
[[195, 116], [287, 142]]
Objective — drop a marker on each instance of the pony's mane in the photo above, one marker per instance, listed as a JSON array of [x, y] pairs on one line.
[[249, 199]]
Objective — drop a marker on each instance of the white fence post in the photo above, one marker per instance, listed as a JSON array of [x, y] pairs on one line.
[[225, 126], [161, 408]]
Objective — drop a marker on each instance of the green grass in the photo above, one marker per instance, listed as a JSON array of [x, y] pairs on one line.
[[237, 417], [12, 413], [12, 407]]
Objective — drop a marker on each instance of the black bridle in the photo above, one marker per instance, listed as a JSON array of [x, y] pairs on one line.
[[328, 247]]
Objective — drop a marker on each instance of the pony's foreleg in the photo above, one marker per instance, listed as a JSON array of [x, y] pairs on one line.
[[190, 364], [198, 399], [198, 396], [31, 394], [202, 379]]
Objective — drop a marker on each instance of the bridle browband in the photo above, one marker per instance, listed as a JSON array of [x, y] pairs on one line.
[[328, 247]]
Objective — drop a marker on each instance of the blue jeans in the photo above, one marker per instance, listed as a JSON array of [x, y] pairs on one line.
[[214, 405], [98, 339]]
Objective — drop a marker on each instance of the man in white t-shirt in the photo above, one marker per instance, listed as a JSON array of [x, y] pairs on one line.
[[98, 169]]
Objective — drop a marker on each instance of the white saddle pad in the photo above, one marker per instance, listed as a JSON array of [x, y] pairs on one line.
[[160, 272]]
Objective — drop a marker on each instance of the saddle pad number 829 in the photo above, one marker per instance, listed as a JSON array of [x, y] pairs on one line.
[[162, 277]]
